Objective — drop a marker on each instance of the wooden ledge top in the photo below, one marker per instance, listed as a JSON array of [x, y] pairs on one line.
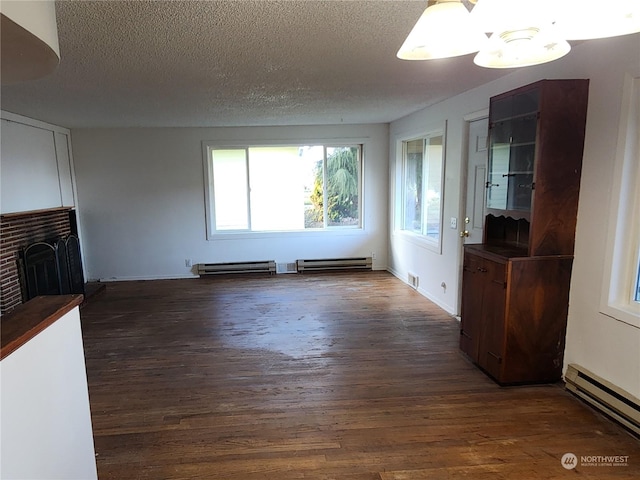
[[27, 320], [32, 213]]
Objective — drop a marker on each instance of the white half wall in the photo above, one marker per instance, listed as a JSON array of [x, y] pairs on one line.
[[142, 201], [598, 342], [46, 420]]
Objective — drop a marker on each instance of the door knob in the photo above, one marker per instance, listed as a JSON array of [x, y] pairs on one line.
[[464, 233]]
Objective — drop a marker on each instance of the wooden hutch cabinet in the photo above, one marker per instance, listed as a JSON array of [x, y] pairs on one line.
[[515, 285]]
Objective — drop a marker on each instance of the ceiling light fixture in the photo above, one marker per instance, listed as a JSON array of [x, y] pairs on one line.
[[29, 41], [521, 48], [444, 30], [523, 32]]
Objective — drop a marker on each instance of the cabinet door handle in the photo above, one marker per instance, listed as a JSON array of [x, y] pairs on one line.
[[481, 270], [497, 357], [464, 334]]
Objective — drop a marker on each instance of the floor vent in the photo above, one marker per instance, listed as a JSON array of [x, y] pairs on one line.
[[286, 268], [603, 395], [266, 266], [413, 280], [358, 263]]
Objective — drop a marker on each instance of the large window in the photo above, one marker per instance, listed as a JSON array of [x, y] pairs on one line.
[[636, 297], [621, 289], [283, 188], [422, 169]]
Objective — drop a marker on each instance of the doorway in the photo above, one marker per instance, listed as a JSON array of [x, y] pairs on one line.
[[473, 221]]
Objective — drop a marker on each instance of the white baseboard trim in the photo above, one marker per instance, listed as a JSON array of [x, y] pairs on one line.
[[147, 277], [447, 308]]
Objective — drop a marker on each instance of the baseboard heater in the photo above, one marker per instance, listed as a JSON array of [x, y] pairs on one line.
[[603, 395], [356, 263], [266, 266]]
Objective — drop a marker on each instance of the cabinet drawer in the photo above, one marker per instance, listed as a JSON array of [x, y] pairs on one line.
[[487, 270]]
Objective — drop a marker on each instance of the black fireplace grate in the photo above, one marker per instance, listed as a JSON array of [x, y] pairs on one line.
[[74, 263], [53, 268]]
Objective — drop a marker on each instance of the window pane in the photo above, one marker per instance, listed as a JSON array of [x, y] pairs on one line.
[[343, 186], [433, 192], [313, 180], [412, 218], [277, 188], [230, 189], [636, 296]]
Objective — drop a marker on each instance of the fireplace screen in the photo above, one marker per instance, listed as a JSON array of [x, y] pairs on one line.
[[74, 263], [53, 268]]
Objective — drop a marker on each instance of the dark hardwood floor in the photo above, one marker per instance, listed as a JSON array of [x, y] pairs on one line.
[[318, 376]]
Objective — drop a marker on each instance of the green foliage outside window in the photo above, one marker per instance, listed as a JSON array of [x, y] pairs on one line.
[[342, 188]]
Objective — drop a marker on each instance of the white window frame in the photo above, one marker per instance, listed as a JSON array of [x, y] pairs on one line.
[[419, 238], [213, 234], [623, 241]]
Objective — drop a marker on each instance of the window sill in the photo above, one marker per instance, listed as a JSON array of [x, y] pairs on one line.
[[354, 231], [629, 314], [419, 240]]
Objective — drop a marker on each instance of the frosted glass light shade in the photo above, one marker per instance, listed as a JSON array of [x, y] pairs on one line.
[[587, 19], [444, 30], [523, 33], [522, 48]]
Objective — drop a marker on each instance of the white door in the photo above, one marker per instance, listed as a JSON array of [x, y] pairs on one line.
[[473, 222]]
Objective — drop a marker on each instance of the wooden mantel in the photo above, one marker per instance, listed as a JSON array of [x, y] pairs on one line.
[[32, 213], [27, 320]]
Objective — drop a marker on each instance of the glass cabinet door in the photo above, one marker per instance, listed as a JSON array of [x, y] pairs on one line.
[[499, 158], [512, 147]]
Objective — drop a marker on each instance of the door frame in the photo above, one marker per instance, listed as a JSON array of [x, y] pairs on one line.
[[464, 174]]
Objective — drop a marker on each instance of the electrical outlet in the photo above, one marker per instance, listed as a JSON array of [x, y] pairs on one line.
[[454, 223], [187, 262]]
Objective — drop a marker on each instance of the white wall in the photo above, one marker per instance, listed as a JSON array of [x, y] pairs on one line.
[[37, 166], [46, 421], [141, 193], [600, 343]]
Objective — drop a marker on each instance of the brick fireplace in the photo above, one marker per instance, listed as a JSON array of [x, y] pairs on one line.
[[17, 231]]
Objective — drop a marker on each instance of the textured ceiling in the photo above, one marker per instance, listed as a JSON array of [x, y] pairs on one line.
[[237, 63]]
